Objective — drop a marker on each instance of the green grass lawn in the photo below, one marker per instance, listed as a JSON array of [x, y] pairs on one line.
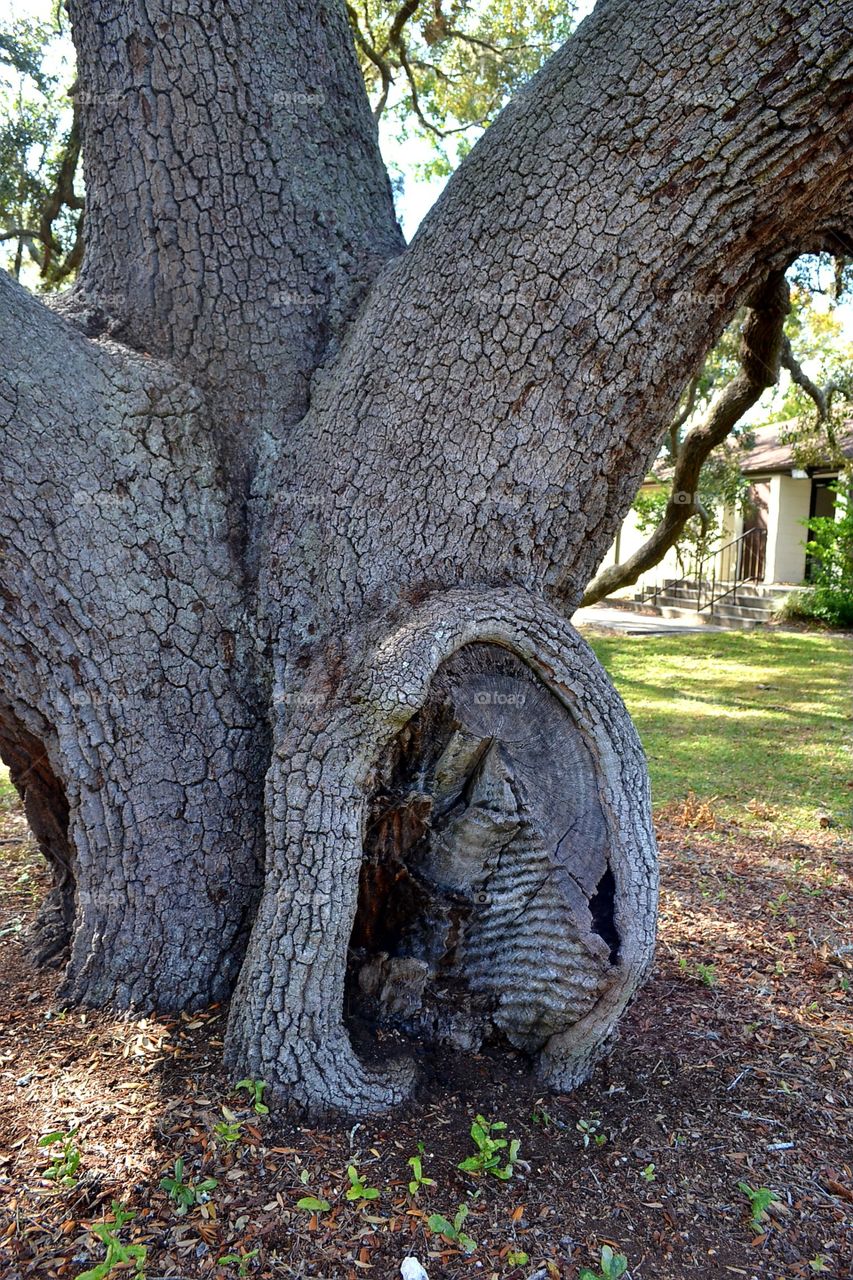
[[742, 716]]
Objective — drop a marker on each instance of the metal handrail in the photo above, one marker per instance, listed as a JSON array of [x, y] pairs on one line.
[[697, 574], [740, 578]]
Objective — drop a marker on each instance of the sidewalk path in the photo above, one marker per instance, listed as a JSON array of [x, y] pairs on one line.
[[634, 624]]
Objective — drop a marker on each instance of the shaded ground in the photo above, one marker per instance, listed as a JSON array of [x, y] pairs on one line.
[[734, 1065]]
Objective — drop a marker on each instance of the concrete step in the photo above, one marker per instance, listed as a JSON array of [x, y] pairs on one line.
[[755, 590], [729, 607], [737, 621]]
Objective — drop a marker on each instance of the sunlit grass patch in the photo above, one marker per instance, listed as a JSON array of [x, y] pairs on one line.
[[760, 721]]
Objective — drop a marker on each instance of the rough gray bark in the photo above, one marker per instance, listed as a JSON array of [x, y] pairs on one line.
[[125, 652], [438, 493], [237, 204]]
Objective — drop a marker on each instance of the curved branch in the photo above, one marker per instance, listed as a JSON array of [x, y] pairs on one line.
[[761, 354], [62, 197], [822, 396], [492, 412], [373, 55], [21, 233]]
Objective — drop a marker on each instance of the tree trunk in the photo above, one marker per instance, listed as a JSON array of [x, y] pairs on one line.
[[338, 546]]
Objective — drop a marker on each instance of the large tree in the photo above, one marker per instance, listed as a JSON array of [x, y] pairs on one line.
[[293, 516]]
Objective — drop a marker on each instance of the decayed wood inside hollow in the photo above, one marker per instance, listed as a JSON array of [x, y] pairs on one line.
[[486, 897]]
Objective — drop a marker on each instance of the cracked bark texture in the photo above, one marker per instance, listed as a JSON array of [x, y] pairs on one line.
[[125, 664], [434, 473], [237, 206]]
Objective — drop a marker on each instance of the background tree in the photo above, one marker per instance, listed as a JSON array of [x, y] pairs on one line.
[[41, 211], [294, 517], [704, 442], [441, 72]]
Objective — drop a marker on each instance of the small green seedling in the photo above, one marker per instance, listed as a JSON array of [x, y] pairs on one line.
[[613, 1265], [255, 1090], [488, 1158], [760, 1200], [517, 1258], [819, 1264], [648, 1173], [313, 1204], [452, 1231], [241, 1260], [588, 1129], [357, 1190], [186, 1194], [230, 1130], [418, 1180], [704, 973], [66, 1161], [120, 1257]]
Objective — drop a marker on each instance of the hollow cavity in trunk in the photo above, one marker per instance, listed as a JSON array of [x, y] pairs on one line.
[[486, 901]]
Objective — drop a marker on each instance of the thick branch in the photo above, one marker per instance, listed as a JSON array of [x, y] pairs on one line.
[[761, 353], [492, 413], [124, 659], [237, 206]]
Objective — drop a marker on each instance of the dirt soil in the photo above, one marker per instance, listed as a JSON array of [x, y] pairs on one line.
[[734, 1066]]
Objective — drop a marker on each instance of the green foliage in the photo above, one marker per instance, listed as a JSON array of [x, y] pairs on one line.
[[517, 1258], [444, 74], [64, 1163], [119, 1257], [489, 1157], [452, 1231], [613, 1265], [831, 546], [230, 1130], [242, 1261], [357, 1189], [824, 606], [255, 1090], [313, 1204], [36, 137], [760, 1200], [820, 283], [418, 1180], [648, 1173], [702, 972], [186, 1194]]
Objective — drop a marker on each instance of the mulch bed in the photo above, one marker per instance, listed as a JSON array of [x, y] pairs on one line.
[[733, 1065]]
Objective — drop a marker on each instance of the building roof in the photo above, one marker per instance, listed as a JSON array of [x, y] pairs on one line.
[[769, 455]]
